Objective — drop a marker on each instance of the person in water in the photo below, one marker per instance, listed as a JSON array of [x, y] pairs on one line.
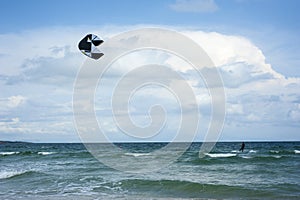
[[242, 147]]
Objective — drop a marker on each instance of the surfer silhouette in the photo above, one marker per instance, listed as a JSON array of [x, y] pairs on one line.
[[242, 147]]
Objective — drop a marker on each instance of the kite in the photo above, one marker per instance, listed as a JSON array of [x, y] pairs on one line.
[[88, 46]]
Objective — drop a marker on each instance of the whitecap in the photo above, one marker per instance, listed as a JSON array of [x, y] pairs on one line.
[[9, 153], [137, 154], [246, 157], [234, 151], [273, 151], [252, 151], [297, 151], [277, 156], [45, 153], [9, 174], [220, 155]]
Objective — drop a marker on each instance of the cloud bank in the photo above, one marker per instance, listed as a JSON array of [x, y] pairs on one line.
[[37, 79]]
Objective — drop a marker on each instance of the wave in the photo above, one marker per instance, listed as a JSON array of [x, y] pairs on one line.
[[297, 151], [9, 153], [25, 153], [137, 154], [236, 151], [185, 189], [45, 153], [10, 174], [274, 151], [247, 157], [221, 155], [277, 156], [265, 158]]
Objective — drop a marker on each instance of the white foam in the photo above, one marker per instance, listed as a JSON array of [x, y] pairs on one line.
[[273, 151], [45, 153], [277, 156], [220, 155], [297, 151], [252, 151], [9, 153], [246, 157], [234, 151], [137, 154], [9, 174]]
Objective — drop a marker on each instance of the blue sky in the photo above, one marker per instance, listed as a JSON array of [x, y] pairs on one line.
[[47, 70], [20, 15], [272, 24]]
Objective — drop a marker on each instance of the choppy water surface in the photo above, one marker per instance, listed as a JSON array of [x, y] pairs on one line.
[[265, 170]]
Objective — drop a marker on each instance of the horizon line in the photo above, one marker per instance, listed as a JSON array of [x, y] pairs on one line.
[[118, 142]]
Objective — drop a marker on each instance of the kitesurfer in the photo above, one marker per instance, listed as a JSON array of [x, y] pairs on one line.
[[242, 147]]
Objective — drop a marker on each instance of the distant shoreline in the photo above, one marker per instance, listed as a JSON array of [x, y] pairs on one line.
[[3, 142]]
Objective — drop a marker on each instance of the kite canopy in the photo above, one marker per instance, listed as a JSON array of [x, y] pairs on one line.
[[88, 46]]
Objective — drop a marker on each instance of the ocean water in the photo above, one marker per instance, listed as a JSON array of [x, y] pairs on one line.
[[265, 170]]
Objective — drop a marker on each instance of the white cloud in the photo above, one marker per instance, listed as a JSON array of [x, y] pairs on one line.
[[15, 101], [225, 50], [11, 102], [16, 120], [235, 109], [194, 6], [37, 82]]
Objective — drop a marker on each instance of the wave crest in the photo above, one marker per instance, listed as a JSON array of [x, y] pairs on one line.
[[10, 174], [9, 153], [44, 153], [221, 155]]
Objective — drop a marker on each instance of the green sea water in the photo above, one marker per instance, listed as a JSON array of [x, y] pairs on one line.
[[265, 170]]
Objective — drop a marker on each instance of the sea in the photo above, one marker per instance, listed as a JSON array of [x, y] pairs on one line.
[[265, 170]]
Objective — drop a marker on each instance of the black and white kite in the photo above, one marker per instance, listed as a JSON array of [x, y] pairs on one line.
[[88, 46]]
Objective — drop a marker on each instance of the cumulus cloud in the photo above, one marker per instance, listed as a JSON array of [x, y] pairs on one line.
[[229, 49], [194, 6], [37, 82]]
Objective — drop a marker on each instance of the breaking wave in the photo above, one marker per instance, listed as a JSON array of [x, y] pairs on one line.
[[9, 153], [137, 154], [221, 155], [10, 174], [45, 153]]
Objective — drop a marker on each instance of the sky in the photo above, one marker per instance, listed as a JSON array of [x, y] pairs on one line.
[[253, 43]]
